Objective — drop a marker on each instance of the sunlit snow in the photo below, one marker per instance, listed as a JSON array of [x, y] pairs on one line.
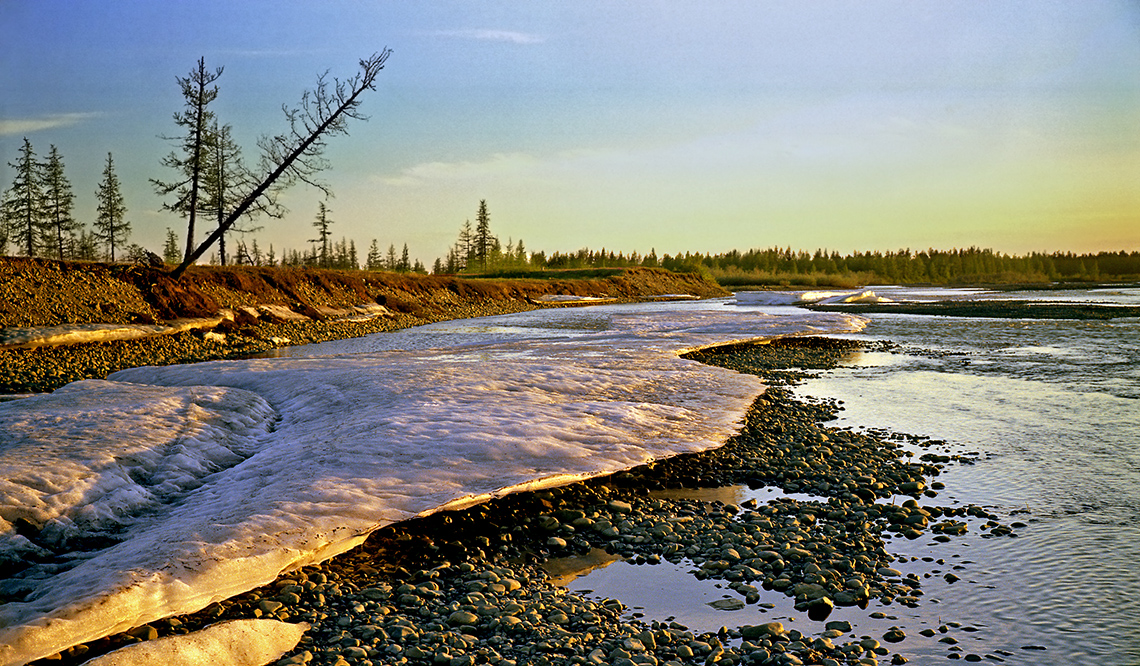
[[163, 489], [807, 297]]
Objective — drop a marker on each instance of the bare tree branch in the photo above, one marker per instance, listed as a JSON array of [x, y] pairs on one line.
[[298, 154]]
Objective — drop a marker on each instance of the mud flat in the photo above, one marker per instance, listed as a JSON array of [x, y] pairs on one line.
[[473, 587]]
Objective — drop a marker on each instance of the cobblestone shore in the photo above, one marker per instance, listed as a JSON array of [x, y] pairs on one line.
[[469, 587]]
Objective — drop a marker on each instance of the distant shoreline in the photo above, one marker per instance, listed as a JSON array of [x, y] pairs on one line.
[[1000, 310]]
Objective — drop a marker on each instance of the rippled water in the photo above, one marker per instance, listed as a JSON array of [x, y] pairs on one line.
[[1052, 410], [1053, 406]]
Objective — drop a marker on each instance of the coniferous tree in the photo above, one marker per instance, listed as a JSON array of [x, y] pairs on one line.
[[241, 254], [58, 224], [392, 263], [196, 120], [322, 223], [297, 155], [86, 246], [24, 202], [454, 265], [170, 253], [484, 241], [405, 263], [465, 246], [375, 261], [111, 226], [225, 182]]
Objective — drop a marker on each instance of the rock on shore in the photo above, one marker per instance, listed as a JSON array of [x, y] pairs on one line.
[[467, 587]]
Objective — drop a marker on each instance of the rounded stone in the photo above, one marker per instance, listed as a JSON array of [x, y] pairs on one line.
[[462, 618]]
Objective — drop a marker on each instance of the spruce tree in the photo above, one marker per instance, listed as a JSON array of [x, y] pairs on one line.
[[465, 246], [375, 261], [196, 120], [24, 202], [225, 182], [405, 263], [322, 224], [392, 263], [170, 253], [59, 225], [111, 226], [484, 241]]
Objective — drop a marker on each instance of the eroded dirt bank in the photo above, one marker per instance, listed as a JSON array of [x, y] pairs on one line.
[[260, 308]]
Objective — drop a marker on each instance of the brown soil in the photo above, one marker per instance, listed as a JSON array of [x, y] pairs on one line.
[[39, 292]]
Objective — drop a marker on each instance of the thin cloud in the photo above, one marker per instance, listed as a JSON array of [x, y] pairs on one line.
[[30, 125], [434, 172], [509, 36]]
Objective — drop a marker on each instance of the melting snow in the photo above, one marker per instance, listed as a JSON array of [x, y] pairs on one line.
[[164, 489], [48, 336], [807, 297]]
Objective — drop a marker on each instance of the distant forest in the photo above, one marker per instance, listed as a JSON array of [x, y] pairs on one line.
[[775, 266]]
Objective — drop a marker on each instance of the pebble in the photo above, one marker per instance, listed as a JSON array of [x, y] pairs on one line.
[[467, 586]]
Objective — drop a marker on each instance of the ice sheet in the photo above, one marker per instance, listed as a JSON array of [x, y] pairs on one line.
[[807, 297], [50, 336], [168, 488]]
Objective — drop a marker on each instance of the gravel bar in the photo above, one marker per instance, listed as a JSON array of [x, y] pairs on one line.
[[468, 587]]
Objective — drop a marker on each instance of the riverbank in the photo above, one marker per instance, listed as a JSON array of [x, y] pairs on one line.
[[469, 587], [240, 311], [1000, 310]]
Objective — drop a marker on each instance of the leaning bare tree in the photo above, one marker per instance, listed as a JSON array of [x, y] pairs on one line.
[[298, 154]]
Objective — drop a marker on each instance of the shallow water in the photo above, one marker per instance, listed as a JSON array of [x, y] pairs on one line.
[[1052, 410], [1054, 407]]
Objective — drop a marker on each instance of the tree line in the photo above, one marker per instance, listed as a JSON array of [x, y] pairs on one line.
[[211, 181], [37, 211], [776, 265]]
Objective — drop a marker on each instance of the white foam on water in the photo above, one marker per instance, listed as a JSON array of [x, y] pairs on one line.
[[167, 488]]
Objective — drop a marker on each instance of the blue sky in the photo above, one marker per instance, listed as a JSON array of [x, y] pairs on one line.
[[677, 126]]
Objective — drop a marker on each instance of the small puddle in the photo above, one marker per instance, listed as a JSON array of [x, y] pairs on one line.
[[669, 592]]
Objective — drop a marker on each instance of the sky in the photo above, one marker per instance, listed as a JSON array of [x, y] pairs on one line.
[[704, 127]]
